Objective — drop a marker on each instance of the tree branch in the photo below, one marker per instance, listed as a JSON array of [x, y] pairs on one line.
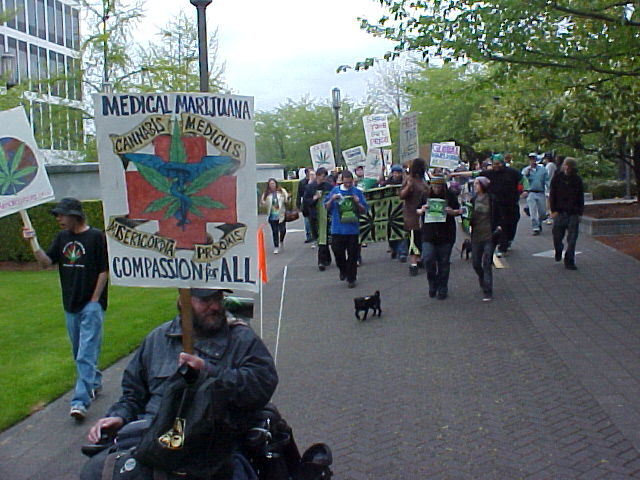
[[593, 14]]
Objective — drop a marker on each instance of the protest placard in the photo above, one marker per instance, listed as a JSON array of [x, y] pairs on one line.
[[175, 170], [322, 156], [373, 165], [445, 155], [435, 212], [376, 131], [409, 137], [23, 179], [354, 157], [384, 220]]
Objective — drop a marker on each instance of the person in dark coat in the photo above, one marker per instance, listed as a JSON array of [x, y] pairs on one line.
[[438, 238], [313, 201], [225, 349], [309, 176], [566, 199]]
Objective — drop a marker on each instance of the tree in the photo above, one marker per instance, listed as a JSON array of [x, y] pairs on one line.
[[386, 92], [594, 44], [172, 63], [285, 134]]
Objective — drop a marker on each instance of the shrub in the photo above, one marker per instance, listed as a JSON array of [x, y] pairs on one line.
[[612, 189], [14, 248]]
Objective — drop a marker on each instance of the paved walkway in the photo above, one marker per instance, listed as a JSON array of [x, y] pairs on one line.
[[541, 383]]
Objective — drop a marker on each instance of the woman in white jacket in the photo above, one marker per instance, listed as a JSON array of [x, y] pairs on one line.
[[275, 199]]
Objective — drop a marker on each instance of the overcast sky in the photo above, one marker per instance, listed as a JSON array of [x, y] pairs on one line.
[[275, 50]]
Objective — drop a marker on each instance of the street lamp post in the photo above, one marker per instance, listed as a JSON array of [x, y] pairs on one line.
[[335, 98], [202, 5]]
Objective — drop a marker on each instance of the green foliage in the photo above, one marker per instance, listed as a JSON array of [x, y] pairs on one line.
[[35, 339], [285, 135], [14, 248], [612, 189]]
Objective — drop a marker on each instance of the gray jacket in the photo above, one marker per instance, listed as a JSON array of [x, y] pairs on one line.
[[235, 356]]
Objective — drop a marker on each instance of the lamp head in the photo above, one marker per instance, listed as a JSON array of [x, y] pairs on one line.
[[335, 97]]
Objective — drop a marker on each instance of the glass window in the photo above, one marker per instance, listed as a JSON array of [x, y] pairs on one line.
[[23, 62], [68, 37], [2, 42], [41, 19], [46, 126], [51, 20], [21, 16], [75, 27], [75, 129], [70, 80], [44, 71], [62, 84], [31, 17], [34, 68], [77, 68], [36, 121], [11, 7], [59, 24], [53, 72]]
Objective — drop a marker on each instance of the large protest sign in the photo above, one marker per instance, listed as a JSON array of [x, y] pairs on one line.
[[409, 137], [373, 165], [322, 156], [175, 170], [445, 155], [383, 221], [376, 131], [23, 179], [354, 157]]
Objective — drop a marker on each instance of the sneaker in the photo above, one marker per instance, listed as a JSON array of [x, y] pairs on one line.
[[313, 244], [570, 266], [358, 262], [558, 256], [352, 284], [78, 413], [322, 267], [342, 277], [413, 270], [309, 240], [95, 392], [432, 293], [536, 232], [487, 297], [549, 221], [276, 250]]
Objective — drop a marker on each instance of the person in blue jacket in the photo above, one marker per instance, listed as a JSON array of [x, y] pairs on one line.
[[344, 203]]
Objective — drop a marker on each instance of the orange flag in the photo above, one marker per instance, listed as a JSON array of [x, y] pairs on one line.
[[262, 256]]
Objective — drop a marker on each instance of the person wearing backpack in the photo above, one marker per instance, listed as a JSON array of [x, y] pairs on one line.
[[344, 203]]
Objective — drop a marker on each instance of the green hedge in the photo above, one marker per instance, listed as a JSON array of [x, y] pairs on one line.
[[14, 248], [291, 186], [612, 189]]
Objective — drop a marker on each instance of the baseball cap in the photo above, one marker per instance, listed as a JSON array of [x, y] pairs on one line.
[[69, 206], [396, 168]]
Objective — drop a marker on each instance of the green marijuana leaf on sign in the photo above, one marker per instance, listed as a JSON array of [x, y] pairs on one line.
[[18, 166]]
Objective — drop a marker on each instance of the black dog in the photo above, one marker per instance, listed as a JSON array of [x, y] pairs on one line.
[[465, 248], [363, 304]]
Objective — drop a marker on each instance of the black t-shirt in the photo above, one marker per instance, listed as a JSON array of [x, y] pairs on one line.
[[81, 257]]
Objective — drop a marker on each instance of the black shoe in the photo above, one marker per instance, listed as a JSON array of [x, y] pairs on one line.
[[413, 270], [432, 293], [310, 240], [394, 255], [558, 256], [536, 232], [322, 268], [570, 266], [352, 284], [403, 259], [442, 296], [342, 277]]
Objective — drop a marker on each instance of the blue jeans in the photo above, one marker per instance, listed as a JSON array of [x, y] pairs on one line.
[[537, 209], [437, 261], [482, 259], [85, 334], [307, 229]]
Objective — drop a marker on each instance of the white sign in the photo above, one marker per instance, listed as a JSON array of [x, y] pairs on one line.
[[376, 131], [409, 149], [445, 155], [354, 157], [176, 169], [373, 167], [23, 179], [322, 156]]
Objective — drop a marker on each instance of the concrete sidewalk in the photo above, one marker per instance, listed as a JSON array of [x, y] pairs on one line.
[[541, 383]]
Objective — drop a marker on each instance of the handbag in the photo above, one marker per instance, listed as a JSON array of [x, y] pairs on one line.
[[291, 215]]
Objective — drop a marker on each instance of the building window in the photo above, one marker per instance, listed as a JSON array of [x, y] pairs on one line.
[[75, 27], [70, 79], [41, 19], [77, 78], [21, 16], [11, 7], [44, 71], [51, 20], [2, 43], [45, 142], [34, 68], [31, 17], [23, 62], [59, 24], [62, 84], [53, 72], [68, 31]]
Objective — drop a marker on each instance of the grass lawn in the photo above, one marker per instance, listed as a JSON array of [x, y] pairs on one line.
[[35, 353]]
